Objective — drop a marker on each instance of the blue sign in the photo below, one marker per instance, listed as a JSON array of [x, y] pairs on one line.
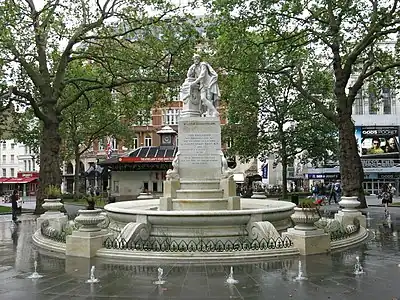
[[265, 171]]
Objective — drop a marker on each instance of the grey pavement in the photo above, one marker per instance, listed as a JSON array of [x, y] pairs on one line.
[[330, 276]]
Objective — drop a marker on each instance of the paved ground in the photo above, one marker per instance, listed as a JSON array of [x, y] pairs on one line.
[[329, 276]]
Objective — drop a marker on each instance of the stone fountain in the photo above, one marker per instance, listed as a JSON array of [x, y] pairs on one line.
[[199, 200]]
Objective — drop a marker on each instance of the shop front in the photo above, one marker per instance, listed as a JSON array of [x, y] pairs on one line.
[[26, 182]]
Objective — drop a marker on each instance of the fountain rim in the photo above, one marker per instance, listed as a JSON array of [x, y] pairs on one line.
[[113, 208]]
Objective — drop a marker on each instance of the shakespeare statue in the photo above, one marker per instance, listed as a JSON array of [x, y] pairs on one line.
[[201, 87]]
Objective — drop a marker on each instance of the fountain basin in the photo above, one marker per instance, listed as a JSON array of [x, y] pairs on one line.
[[222, 224]]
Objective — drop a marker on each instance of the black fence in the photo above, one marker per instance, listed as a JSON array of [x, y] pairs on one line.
[[198, 245]]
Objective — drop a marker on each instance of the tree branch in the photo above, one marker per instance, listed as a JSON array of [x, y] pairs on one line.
[[32, 102], [330, 115]]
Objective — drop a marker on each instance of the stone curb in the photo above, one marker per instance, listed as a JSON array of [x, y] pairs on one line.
[[351, 241], [195, 257], [47, 244]]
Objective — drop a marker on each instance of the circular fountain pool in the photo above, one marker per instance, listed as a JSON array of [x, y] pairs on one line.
[[221, 224]]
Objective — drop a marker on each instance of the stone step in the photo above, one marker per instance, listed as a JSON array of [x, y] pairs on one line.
[[200, 204], [199, 194], [197, 184]]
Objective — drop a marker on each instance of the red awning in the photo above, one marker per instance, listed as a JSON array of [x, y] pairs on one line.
[[4, 179], [20, 180]]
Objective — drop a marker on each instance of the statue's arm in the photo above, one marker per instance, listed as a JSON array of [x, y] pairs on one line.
[[202, 74]]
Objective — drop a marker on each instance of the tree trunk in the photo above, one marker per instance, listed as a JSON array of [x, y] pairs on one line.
[[50, 171], [77, 179], [284, 178], [351, 170]]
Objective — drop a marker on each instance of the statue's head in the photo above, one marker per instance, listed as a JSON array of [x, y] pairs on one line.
[[196, 59]]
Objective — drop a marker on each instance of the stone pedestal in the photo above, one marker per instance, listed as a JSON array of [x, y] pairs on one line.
[[349, 212], [309, 242], [234, 203], [228, 185], [170, 188], [85, 243], [165, 203], [200, 166]]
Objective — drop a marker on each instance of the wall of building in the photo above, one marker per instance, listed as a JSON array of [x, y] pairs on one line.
[[128, 185], [16, 157]]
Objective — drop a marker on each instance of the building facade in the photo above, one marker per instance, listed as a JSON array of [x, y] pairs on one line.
[[18, 167], [377, 130]]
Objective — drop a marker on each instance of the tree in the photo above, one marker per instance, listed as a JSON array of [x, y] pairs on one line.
[[84, 122], [287, 126], [121, 38], [329, 46]]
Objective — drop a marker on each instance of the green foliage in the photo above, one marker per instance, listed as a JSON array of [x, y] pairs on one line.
[[52, 192], [328, 50], [56, 56]]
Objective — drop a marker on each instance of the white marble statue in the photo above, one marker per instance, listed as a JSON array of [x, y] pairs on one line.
[[173, 173], [201, 86], [226, 172]]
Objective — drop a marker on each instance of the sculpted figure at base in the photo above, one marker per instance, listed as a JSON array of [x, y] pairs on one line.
[[201, 86], [173, 174], [226, 172]]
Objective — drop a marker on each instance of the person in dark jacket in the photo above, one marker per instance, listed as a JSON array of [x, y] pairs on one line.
[[14, 206]]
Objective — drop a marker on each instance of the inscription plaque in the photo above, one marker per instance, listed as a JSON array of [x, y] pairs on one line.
[[199, 143]]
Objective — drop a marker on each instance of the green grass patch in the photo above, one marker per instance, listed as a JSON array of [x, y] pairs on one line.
[[395, 204], [5, 209]]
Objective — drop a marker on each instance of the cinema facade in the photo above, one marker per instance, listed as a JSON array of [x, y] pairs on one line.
[[378, 147]]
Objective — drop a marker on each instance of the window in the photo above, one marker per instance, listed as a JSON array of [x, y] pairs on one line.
[[12, 146], [170, 116], [4, 173], [116, 187], [33, 165], [12, 172], [25, 165], [145, 187], [12, 158], [135, 142], [359, 104], [373, 104], [29, 165], [26, 149], [4, 159], [387, 101], [4, 145], [147, 141], [155, 187]]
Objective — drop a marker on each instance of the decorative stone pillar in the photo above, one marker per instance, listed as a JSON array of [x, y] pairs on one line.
[[53, 214], [90, 219], [349, 212], [90, 237], [305, 236], [304, 218]]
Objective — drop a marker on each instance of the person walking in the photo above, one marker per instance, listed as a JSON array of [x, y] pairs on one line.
[[14, 206]]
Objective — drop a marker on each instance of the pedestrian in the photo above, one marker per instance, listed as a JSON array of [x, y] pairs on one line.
[[14, 206]]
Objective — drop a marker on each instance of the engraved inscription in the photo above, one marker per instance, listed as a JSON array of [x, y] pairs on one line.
[[199, 144]]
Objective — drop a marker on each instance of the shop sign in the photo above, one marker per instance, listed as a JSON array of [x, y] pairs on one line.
[[378, 163]]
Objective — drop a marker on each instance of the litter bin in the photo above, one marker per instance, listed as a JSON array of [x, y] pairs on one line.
[[295, 199], [111, 199]]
